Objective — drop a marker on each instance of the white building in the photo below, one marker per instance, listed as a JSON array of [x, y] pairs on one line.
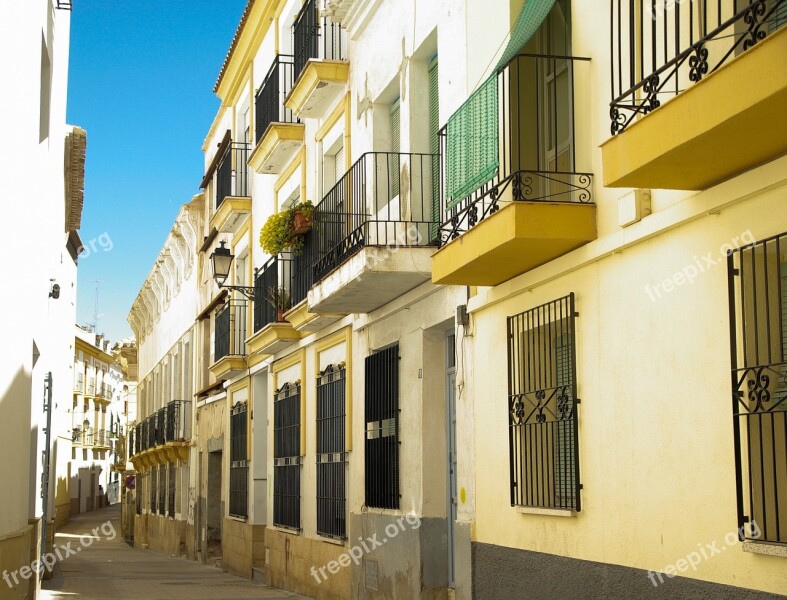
[[42, 210]]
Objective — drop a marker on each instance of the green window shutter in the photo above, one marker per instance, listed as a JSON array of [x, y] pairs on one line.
[[396, 147], [434, 147], [472, 143]]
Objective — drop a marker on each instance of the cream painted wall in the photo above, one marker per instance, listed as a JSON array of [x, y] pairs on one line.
[[655, 433]]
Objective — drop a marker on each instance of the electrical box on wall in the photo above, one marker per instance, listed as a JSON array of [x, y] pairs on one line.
[[462, 316], [633, 207]]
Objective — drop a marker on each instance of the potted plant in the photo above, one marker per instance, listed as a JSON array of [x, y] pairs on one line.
[[280, 300], [284, 230]]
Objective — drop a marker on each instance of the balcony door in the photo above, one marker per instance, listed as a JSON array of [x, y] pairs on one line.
[[556, 154]]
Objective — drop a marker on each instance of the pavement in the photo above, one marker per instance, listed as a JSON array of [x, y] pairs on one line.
[[91, 566]]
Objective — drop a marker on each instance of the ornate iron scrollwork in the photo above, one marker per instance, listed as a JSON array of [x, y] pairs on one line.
[[698, 63], [754, 18]]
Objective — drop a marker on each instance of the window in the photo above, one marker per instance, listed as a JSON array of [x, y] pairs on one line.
[[382, 428], [239, 466], [758, 331], [287, 456], [394, 163], [162, 490], [542, 407], [171, 490], [331, 454], [153, 494], [45, 92]]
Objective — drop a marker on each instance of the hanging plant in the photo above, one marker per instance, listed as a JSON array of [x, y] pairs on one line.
[[284, 230]]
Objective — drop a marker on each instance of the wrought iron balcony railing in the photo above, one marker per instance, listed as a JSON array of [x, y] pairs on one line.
[[385, 199], [90, 389], [232, 174], [269, 103], [523, 150], [315, 38], [659, 48], [79, 383], [272, 290], [230, 330], [178, 421]]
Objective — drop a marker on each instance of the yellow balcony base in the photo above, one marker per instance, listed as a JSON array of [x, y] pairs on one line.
[[371, 278], [728, 123], [514, 240], [161, 455], [231, 214], [277, 147], [303, 320], [228, 367], [317, 87], [272, 338]]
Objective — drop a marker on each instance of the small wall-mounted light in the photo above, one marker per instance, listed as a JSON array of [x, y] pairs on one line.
[[54, 291]]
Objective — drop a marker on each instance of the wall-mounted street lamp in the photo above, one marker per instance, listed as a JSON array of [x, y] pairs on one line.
[[222, 260]]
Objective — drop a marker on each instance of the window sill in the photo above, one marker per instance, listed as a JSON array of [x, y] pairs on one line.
[[238, 519], [546, 512], [330, 540], [284, 529], [765, 548]]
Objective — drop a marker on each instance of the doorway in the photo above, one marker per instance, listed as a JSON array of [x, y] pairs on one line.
[[214, 512], [453, 496]]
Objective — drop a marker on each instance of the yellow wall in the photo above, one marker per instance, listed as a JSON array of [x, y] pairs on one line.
[[655, 419]]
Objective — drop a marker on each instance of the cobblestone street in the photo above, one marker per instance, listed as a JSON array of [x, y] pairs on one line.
[[113, 570]]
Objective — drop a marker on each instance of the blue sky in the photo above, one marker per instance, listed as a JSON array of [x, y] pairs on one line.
[[141, 77]]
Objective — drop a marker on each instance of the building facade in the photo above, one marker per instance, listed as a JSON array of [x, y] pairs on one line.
[[42, 210], [487, 212]]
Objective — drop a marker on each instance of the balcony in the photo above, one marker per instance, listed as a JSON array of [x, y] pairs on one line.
[[102, 439], [272, 332], [233, 195], [90, 388], [104, 392], [321, 68], [373, 235], [229, 342], [79, 384], [279, 134], [164, 436], [695, 101], [513, 196]]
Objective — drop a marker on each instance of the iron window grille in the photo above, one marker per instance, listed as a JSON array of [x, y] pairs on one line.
[[171, 490], [287, 456], [659, 49], [153, 491], [331, 453], [138, 492], [239, 466], [162, 490], [381, 403], [542, 407], [757, 276]]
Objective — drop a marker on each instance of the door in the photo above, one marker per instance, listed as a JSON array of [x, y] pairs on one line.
[[453, 496]]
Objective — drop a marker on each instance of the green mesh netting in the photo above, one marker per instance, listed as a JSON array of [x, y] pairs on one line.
[[472, 138]]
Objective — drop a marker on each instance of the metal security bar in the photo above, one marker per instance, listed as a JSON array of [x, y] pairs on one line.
[[757, 276], [153, 490], [272, 297], [269, 103], [660, 48], [314, 38], [239, 466], [287, 456], [530, 130], [331, 453], [171, 490], [381, 404], [542, 407], [162, 490], [232, 174], [230, 330], [371, 205]]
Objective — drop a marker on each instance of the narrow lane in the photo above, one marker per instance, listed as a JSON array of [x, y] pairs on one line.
[[94, 563]]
